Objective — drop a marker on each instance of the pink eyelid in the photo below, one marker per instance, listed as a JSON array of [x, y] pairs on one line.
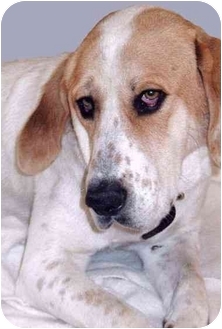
[[150, 102]]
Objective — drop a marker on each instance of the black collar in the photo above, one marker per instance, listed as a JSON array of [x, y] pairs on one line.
[[165, 222]]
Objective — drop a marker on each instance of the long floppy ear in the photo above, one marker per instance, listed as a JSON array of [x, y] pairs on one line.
[[208, 60], [40, 140]]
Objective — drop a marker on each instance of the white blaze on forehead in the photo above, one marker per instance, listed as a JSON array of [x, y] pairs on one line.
[[116, 31]]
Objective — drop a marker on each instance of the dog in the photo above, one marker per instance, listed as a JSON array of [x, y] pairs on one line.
[[113, 144]]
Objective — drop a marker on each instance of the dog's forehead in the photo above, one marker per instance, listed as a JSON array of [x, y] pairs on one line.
[[134, 42]]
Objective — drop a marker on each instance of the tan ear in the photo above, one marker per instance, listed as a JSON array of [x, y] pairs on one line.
[[208, 60], [40, 140]]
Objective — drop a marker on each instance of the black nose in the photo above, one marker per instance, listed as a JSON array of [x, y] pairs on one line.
[[106, 198]]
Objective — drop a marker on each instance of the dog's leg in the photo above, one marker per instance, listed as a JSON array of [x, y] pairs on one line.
[[59, 286], [188, 307]]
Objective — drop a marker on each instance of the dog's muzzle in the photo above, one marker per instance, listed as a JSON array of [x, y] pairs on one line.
[[164, 223]]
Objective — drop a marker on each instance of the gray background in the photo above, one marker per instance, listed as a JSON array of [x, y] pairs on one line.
[[31, 29]]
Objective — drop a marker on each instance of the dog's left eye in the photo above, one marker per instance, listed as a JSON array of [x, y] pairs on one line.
[[149, 101], [86, 107]]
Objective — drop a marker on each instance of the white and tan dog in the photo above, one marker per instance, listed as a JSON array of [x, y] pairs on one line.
[[113, 144]]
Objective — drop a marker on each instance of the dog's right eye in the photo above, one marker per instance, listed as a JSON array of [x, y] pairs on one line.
[[87, 107]]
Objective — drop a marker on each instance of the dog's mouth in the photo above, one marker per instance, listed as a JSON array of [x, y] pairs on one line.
[[105, 223], [164, 223]]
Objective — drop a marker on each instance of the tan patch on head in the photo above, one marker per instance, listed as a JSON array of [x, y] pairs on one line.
[[166, 61]]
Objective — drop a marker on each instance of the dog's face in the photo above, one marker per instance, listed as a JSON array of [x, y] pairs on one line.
[[139, 106]]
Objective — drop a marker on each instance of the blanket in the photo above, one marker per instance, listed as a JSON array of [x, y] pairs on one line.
[[118, 271]]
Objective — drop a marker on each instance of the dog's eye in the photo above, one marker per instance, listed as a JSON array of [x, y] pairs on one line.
[[149, 101], [86, 107]]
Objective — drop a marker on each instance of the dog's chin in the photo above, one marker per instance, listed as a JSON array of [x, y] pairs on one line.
[[105, 222]]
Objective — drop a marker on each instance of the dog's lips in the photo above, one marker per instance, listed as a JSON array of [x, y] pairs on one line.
[[164, 223], [104, 223]]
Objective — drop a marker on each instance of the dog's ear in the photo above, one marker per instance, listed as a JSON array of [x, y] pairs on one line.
[[40, 140], [208, 61]]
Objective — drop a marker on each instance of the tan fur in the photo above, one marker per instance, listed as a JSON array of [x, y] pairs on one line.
[[208, 59], [40, 141]]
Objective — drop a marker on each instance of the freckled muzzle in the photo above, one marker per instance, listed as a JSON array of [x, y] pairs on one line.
[[106, 198]]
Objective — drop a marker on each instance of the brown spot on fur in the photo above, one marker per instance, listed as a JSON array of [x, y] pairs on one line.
[[44, 226], [111, 146], [118, 158], [128, 161], [95, 297], [73, 297], [52, 265], [66, 280], [51, 283], [145, 182], [40, 284], [99, 154], [128, 175], [188, 301], [62, 292], [111, 149], [52, 305], [137, 178], [116, 122]]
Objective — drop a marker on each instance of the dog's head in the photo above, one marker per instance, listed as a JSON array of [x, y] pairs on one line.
[[143, 93]]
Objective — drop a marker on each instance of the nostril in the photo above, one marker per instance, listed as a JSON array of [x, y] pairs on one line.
[[106, 198]]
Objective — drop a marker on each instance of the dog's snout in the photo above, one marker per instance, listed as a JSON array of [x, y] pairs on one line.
[[106, 198]]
